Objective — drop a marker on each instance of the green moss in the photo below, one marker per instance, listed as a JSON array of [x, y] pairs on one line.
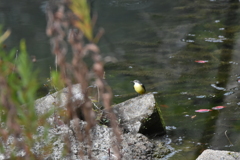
[[160, 115]]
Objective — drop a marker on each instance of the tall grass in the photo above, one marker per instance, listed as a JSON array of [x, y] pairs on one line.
[[72, 25], [18, 83]]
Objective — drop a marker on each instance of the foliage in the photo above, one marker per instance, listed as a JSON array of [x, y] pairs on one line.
[[73, 18], [56, 80], [18, 83], [82, 11]]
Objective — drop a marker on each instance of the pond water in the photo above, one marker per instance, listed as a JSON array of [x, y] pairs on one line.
[[186, 52]]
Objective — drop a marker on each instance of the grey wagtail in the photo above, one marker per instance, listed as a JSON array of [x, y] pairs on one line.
[[139, 87]]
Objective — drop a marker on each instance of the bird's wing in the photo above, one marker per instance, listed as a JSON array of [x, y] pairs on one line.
[[143, 87]]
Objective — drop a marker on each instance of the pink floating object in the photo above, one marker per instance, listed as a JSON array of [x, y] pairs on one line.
[[218, 107], [201, 61], [203, 110]]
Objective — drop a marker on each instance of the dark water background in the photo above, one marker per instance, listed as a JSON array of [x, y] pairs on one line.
[[158, 43]]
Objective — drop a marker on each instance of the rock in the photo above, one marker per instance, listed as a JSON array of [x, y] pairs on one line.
[[59, 99], [133, 146], [103, 142], [140, 115], [209, 154], [136, 115]]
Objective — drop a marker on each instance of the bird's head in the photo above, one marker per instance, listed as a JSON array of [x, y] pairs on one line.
[[136, 81]]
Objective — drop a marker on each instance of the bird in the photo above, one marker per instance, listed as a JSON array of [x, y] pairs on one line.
[[139, 87]]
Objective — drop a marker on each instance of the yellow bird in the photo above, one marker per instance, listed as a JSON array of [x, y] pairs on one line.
[[139, 87]]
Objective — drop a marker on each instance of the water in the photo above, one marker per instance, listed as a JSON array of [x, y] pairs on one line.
[[186, 52], [26, 20]]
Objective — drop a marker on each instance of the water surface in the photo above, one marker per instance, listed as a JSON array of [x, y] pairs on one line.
[[187, 54]]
